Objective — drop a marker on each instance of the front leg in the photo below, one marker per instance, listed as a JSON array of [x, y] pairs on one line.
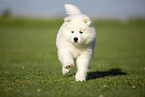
[[83, 64], [66, 61]]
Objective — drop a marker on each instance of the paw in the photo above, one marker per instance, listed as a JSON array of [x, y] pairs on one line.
[[67, 69], [80, 77], [68, 66]]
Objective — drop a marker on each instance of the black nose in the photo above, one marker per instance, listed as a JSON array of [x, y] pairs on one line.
[[75, 39]]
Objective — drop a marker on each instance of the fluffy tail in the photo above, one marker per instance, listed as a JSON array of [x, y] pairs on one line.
[[71, 9]]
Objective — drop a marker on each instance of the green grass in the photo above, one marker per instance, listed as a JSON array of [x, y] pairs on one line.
[[29, 65]]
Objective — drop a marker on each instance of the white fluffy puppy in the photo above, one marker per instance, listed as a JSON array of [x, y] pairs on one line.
[[76, 41]]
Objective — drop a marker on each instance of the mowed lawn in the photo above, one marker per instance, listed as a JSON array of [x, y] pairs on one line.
[[29, 65]]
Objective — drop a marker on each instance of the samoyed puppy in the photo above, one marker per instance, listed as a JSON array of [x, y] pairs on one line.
[[76, 41]]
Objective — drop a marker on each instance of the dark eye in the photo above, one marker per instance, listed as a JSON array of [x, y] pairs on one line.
[[72, 31], [81, 32]]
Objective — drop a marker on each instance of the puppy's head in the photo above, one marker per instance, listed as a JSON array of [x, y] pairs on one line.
[[78, 29]]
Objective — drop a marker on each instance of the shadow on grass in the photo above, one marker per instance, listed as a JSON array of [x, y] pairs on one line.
[[99, 74]]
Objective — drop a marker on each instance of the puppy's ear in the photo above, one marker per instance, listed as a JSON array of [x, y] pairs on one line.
[[67, 20], [87, 20]]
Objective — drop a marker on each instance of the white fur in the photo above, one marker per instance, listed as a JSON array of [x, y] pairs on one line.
[[71, 9], [83, 49]]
